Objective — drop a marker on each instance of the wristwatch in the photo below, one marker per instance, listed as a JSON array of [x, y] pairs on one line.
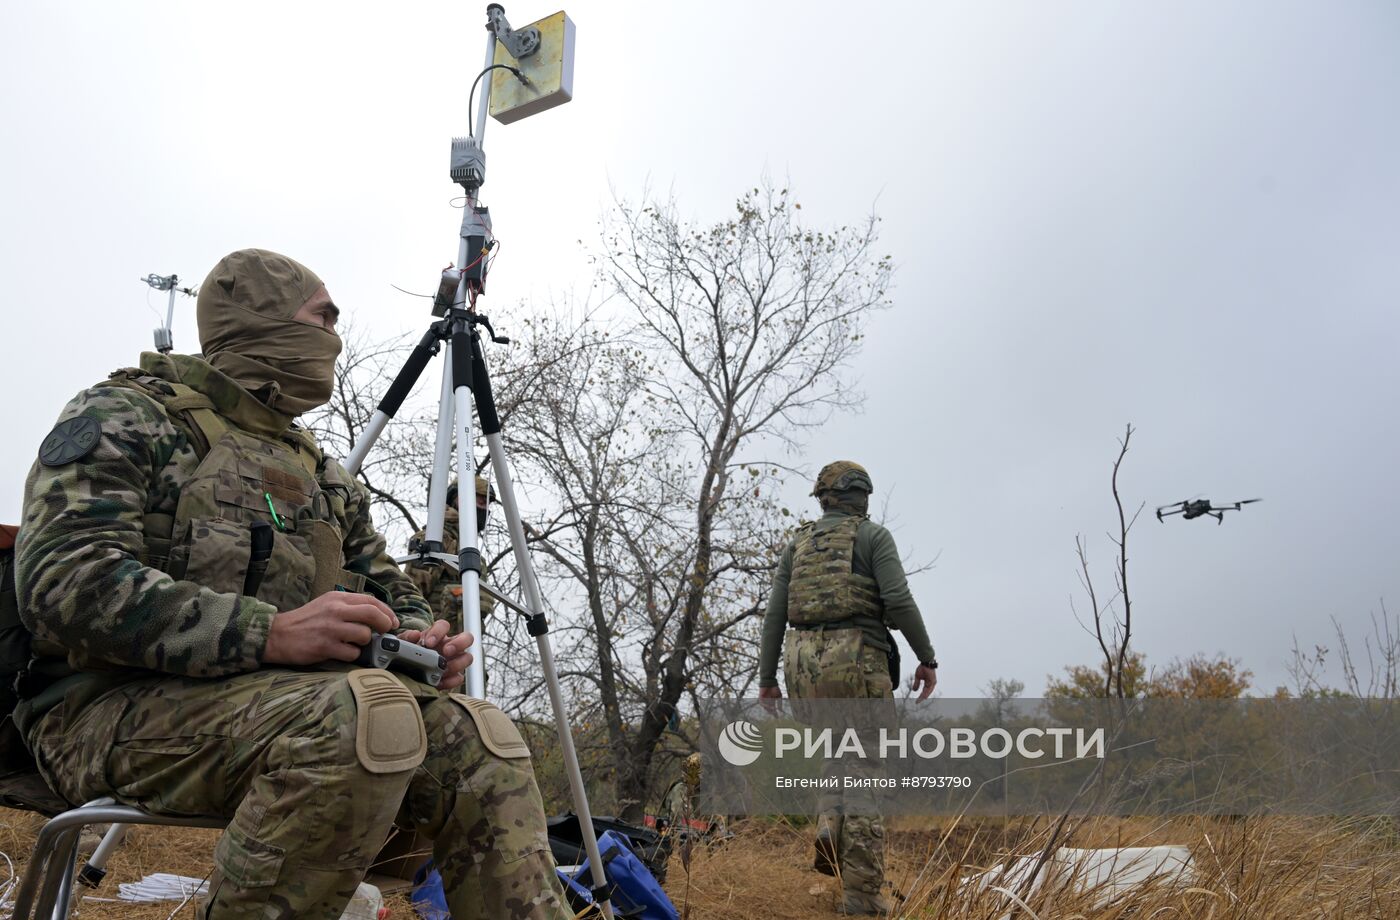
[[931, 663]]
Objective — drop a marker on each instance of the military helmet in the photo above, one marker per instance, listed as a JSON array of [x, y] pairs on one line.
[[483, 490], [840, 475]]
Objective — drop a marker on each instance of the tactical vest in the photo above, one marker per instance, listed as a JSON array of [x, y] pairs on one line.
[[241, 479], [245, 479], [823, 586]]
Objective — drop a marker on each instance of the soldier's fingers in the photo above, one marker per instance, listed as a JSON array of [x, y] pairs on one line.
[[344, 651], [412, 635], [457, 644], [435, 634], [350, 597], [361, 608], [459, 663], [356, 634]]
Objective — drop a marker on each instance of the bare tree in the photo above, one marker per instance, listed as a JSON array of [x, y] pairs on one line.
[[654, 442], [1111, 630], [648, 453], [1373, 673]]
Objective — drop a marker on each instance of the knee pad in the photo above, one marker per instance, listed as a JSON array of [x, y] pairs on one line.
[[497, 731], [389, 732]]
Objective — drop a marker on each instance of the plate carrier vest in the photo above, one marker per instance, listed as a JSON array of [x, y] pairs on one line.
[[823, 586]]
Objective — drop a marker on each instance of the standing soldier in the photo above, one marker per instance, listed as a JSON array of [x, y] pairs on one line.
[[840, 585], [198, 579], [441, 584]]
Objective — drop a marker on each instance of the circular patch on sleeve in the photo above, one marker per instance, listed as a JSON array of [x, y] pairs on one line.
[[71, 440]]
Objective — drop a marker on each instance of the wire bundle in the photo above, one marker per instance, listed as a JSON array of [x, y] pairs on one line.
[[163, 886]]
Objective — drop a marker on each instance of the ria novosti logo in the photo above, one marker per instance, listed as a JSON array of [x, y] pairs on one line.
[[740, 743]]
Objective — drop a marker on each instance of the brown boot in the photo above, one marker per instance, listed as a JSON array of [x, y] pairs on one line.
[[825, 859], [865, 904]]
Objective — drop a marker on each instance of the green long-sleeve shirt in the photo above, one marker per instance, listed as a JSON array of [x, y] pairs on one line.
[[874, 556]]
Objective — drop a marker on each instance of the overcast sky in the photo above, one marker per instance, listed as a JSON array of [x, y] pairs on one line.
[[1182, 215]]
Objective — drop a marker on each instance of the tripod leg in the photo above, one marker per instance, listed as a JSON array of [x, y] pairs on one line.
[[442, 460], [537, 625], [389, 405], [468, 556]]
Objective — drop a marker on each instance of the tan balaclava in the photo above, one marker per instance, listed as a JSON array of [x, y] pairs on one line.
[[246, 329]]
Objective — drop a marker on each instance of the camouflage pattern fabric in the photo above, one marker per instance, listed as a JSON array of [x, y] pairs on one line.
[[823, 587], [441, 585], [875, 555], [194, 725], [842, 474], [275, 752], [837, 664], [83, 588]]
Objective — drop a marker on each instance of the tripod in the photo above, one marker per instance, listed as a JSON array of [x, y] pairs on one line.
[[465, 379]]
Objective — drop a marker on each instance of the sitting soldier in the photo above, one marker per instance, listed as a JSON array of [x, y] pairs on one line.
[[198, 578]]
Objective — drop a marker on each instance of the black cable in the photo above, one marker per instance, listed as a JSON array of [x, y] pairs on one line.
[[471, 96]]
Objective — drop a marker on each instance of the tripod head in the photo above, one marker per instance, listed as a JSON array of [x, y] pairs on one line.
[[443, 328]]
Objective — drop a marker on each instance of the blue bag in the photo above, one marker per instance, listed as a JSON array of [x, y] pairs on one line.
[[429, 900], [633, 889], [577, 895]]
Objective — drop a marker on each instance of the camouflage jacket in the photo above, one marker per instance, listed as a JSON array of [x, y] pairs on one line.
[[85, 585]]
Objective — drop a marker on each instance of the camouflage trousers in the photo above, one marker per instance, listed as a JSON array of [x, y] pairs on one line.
[[837, 664], [276, 752]]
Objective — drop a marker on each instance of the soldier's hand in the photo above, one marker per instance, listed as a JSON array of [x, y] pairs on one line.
[[333, 627], [453, 648], [768, 697], [925, 679]]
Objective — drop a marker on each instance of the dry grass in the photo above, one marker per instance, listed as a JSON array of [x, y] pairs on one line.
[[1255, 868]]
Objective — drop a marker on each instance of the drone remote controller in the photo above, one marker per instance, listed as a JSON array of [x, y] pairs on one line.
[[401, 655]]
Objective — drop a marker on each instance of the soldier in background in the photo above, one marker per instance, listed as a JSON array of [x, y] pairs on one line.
[[196, 577], [441, 584], [840, 585]]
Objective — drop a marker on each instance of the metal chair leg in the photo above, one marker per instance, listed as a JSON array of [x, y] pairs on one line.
[[56, 895], [46, 889], [49, 852]]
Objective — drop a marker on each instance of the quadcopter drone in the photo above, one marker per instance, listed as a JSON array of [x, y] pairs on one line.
[[1195, 509]]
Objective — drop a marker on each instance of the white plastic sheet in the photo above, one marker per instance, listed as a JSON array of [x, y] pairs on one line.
[[1107, 873]]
